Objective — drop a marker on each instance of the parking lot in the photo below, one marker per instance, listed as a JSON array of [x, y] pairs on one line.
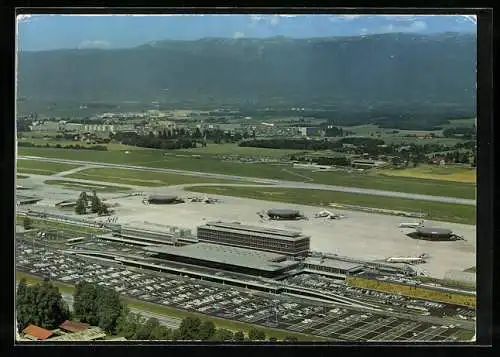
[[392, 302], [225, 301]]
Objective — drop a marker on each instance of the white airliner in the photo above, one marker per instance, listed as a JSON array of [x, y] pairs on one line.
[[328, 214], [412, 225], [410, 260]]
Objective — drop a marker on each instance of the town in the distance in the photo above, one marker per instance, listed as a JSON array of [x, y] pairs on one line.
[[300, 216]]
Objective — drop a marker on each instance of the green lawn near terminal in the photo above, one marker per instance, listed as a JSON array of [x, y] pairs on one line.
[[455, 213], [42, 168], [47, 224], [86, 186], [169, 311], [19, 177], [142, 178]]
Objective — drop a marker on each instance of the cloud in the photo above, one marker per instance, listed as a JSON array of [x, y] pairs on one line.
[[23, 17], [414, 26], [343, 17], [93, 44], [269, 19], [238, 34]]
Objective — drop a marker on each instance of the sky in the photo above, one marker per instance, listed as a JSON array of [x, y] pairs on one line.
[[49, 32]]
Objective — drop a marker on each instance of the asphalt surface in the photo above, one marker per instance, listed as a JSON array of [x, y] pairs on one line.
[[264, 182]]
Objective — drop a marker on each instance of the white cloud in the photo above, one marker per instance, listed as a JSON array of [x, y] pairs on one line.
[[471, 18], [363, 31], [344, 17], [414, 26], [23, 17], [93, 44], [238, 34], [270, 19]]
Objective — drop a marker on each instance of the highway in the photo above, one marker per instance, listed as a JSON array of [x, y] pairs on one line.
[[263, 182]]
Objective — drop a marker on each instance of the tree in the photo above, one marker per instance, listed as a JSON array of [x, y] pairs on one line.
[[161, 333], [207, 330], [190, 328], [145, 331], [95, 203], [128, 324], [255, 334], [81, 207], [223, 335], [273, 339], [41, 304], [27, 223], [239, 336]]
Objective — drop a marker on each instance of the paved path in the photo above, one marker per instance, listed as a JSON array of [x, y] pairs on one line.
[[278, 183]]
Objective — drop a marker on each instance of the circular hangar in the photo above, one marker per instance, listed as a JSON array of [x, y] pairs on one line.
[[434, 233], [163, 199], [283, 213]]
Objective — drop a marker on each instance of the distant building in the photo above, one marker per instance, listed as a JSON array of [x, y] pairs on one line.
[[310, 131], [367, 164]]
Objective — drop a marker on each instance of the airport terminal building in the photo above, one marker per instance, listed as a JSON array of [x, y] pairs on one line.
[[267, 239], [234, 259]]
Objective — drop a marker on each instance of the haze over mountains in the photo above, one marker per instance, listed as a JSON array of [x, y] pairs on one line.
[[389, 69]]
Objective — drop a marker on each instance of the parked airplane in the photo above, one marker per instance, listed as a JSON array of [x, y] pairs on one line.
[[328, 214], [422, 258], [412, 225]]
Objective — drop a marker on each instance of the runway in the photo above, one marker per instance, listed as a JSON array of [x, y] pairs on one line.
[[264, 182]]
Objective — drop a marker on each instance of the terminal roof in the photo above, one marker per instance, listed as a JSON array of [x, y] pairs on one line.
[[333, 263], [249, 258]]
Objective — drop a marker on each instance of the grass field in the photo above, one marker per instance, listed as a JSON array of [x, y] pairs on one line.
[[169, 311], [433, 172], [83, 186], [234, 149], [141, 178], [156, 158], [435, 210], [42, 168], [19, 177]]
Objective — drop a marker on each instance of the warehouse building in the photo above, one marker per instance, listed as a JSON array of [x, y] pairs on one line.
[[266, 239], [235, 259]]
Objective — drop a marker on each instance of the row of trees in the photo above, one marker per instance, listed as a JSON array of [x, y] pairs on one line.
[[463, 132], [40, 304], [96, 204], [43, 305], [59, 146], [101, 306]]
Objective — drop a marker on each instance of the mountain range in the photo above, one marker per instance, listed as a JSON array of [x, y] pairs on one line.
[[403, 71]]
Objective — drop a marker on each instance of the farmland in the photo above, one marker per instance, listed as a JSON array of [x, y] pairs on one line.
[[428, 172]]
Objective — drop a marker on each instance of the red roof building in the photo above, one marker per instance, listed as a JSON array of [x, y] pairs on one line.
[[73, 326], [34, 332]]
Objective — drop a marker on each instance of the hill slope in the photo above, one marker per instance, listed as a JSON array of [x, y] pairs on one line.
[[394, 70]]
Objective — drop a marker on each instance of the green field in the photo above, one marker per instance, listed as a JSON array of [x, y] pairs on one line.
[[156, 158], [141, 178], [435, 210], [19, 177], [234, 149], [42, 168], [169, 311], [85, 186]]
